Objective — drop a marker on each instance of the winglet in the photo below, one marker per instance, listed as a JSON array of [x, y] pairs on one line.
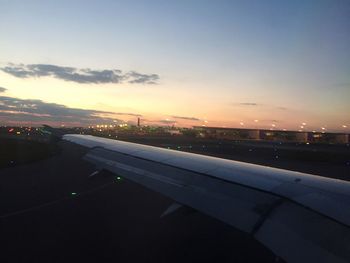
[[52, 131]]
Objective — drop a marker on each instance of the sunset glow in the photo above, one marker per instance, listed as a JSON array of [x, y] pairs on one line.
[[277, 65]]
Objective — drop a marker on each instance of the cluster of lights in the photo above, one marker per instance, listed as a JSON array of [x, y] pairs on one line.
[[301, 127], [28, 129], [105, 126]]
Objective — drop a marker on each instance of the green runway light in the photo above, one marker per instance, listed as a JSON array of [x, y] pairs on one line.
[[73, 193], [119, 178]]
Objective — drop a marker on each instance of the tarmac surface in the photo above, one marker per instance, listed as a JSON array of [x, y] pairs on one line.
[[106, 220], [51, 211], [329, 160]]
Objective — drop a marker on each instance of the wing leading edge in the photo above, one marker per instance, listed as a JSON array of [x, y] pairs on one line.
[[300, 217]]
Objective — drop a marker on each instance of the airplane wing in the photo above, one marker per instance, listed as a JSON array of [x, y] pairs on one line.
[[300, 217]]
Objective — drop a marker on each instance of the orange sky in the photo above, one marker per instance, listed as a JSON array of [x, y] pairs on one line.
[[229, 64]]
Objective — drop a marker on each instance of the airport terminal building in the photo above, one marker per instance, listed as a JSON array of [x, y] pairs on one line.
[[271, 135]]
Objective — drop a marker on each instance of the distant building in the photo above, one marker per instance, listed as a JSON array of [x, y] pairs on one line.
[[270, 135]]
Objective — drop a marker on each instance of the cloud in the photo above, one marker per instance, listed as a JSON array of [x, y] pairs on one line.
[[128, 114], [2, 89], [135, 77], [168, 122], [282, 108], [248, 104], [186, 118], [15, 110], [253, 104], [85, 76]]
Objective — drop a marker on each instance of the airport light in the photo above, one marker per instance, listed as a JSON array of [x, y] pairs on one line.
[[344, 126], [73, 193]]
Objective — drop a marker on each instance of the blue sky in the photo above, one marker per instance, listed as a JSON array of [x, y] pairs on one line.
[[225, 62]]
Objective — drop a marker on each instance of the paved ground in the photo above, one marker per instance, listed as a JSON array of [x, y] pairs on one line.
[[107, 220], [19, 150], [329, 160]]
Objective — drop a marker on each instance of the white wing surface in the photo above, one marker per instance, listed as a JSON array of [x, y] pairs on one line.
[[300, 217]]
